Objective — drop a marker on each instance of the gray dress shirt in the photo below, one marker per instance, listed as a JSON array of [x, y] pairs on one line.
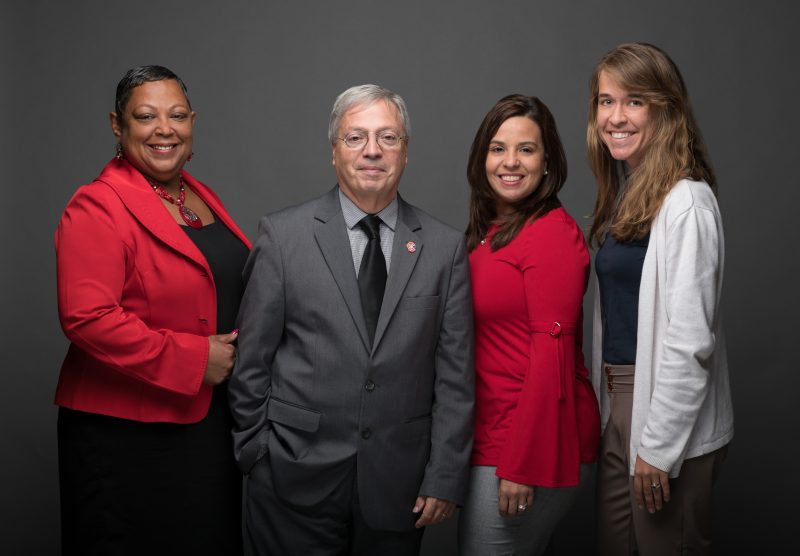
[[358, 238]]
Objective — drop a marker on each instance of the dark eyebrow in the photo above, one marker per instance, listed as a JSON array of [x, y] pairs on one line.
[[151, 107], [522, 143]]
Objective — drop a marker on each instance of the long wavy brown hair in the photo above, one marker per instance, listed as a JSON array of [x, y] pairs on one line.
[[675, 150], [544, 198]]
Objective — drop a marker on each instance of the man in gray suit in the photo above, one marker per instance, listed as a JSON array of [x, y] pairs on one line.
[[353, 389]]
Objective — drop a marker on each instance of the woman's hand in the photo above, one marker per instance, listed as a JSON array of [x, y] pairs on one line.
[[513, 498], [221, 356], [650, 486]]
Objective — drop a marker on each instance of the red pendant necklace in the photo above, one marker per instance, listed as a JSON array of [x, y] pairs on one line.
[[188, 215]]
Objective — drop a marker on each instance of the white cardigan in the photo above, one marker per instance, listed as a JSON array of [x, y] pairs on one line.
[[681, 396]]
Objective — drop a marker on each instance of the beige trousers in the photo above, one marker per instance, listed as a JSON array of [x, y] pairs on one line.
[[683, 526]]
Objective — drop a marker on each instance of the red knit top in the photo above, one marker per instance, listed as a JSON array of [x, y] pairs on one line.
[[536, 415]]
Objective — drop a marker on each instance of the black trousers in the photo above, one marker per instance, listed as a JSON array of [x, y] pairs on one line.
[[335, 527], [130, 488]]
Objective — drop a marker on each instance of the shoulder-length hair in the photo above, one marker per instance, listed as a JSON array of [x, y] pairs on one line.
[[674, 151], [483, 200]]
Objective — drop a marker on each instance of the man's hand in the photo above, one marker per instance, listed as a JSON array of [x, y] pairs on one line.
[[433, 510]]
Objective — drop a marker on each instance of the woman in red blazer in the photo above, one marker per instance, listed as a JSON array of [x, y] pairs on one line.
[[536, 415], [149, 284]]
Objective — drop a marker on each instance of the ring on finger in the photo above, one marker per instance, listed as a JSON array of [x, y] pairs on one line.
[[522, 507], [655, 486]]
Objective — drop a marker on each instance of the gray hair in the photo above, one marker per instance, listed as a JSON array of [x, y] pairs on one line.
[[366, 94]]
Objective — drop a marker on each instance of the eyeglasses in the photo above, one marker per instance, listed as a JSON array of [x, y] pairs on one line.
[[386, 139]]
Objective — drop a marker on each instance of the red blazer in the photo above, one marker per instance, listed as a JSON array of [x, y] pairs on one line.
[[137, 300]]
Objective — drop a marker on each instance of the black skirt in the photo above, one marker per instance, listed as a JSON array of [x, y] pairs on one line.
[[149, 488]]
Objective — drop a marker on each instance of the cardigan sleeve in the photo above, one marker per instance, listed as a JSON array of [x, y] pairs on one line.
[[543, 444], [692, 267], [94, 267]]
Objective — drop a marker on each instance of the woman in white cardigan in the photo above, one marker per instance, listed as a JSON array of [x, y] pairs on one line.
[[659, 363]]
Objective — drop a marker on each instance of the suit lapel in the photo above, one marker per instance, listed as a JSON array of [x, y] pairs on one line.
[[330, 232], [404, 259]]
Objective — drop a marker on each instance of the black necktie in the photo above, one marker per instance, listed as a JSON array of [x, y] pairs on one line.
[[372, 274]]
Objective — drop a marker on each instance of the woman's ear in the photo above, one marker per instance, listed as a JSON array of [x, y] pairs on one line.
[[116, 127]]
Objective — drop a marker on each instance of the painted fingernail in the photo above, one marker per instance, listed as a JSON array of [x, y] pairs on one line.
[[235, 331]]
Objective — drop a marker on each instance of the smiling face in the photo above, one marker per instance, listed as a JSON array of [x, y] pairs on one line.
[[515, 162], [370, 175], [623, 121], [155, 130]]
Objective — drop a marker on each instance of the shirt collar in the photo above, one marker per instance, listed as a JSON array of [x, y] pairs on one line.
[[353, 215]]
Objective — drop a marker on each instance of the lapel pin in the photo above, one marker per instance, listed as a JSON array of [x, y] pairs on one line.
[[411, 246]]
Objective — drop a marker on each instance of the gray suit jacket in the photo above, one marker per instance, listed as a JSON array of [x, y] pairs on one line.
[[308, 391]]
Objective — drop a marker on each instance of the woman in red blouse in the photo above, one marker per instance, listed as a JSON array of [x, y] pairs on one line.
[[536, 415]]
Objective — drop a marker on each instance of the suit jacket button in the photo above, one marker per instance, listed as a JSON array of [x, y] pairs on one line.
[[366, 433], [369, 386]]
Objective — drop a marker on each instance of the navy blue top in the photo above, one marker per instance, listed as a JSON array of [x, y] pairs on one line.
[[619, 273]]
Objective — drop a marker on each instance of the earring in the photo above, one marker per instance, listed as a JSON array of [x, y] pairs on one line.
[[191, 156], [119, 154], [545, 172]]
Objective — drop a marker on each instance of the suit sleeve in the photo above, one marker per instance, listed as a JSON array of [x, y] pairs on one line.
[[543, 444], [94, 266], [447, 472], [260, 323], [693, 254]]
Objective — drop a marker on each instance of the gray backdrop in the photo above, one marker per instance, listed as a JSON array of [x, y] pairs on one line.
[[262, 77]]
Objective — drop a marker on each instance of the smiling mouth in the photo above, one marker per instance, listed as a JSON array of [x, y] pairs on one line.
[[162, 148], [510, 178], [621, 134]]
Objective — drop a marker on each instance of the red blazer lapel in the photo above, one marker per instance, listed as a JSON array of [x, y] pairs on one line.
[[147, 208], [213, 202]]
